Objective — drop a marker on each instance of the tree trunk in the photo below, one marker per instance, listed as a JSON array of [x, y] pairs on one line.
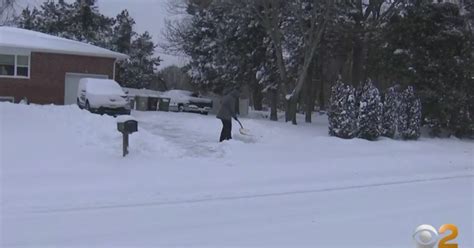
[[322, 81], [322, 98], [271, 21], [257, 97], [309, 97], [293, 104], [290, 110], [359, 56], [310, 50], [309, 112], [274, 105], [357, 59]]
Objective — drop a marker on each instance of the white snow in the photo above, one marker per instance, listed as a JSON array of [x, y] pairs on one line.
[[101, 86], [259, 74], [124, 118], [17, 38], [177, 93], [64, 183], [141, 92], [101, 93], [400, 51]]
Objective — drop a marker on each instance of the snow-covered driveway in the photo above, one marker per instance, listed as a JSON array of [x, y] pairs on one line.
[[63, 184], [179, 132]]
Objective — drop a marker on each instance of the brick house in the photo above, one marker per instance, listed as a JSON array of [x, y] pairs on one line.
[[46, 69]]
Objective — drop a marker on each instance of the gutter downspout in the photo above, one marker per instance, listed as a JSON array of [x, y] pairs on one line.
[[115, 63]]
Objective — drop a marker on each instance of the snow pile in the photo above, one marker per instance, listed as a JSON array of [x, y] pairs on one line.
[[124, 118], [71, 131]]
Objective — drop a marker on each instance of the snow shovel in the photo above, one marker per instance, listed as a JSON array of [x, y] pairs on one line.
[[243, 130]]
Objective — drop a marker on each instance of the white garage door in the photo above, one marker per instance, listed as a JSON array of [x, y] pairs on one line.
[[72, 83]]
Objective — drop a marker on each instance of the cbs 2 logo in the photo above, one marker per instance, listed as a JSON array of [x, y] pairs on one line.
[[426, 236]]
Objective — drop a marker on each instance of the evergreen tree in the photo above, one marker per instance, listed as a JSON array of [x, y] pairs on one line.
[[139, 71], [410, 115], [342, 113], [370, 112], [28, 19], [122, 42], [82, 21], [123, 32], [226, 44], [54, 19], [431, 46], [89, 25], [463, 122], [391, 106], [201, 45]]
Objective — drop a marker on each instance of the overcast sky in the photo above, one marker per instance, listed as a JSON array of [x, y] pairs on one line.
[[149, 16]]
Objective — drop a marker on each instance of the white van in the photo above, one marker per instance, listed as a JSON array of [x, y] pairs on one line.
[[104, 96]]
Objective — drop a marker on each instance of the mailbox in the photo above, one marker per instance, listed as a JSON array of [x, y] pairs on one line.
[[126, 127], [130, 126]]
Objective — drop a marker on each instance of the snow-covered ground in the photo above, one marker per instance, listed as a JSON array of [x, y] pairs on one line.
[[64, 184]]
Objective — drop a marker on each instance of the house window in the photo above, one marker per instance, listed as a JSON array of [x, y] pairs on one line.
[[22, 66], [7, 65], [14, 66]]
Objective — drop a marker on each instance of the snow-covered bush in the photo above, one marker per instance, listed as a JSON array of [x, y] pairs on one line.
[[410, 115], [391, 105], [342, 111], [370, 112]]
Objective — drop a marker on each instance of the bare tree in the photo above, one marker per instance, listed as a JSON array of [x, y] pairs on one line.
[[312, 26], [311, 39], [175, 34], [269, 12], [176, 7], [175, 78], [7, 11], [176, 27]]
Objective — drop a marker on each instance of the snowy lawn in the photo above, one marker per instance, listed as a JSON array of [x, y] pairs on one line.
[[64, 183]]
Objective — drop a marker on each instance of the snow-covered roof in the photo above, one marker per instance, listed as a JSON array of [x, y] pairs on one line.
[[11, 37]]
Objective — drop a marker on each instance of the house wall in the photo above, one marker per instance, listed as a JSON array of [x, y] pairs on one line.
[[47, 76]]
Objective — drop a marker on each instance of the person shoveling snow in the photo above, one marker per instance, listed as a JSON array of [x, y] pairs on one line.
[[228, 111]]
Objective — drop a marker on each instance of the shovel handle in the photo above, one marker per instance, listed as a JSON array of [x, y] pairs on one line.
[[239, 123]]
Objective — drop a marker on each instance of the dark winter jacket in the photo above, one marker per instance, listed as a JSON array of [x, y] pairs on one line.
[[228, 110]]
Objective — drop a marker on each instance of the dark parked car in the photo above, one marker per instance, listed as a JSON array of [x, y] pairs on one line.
[[187, 101]]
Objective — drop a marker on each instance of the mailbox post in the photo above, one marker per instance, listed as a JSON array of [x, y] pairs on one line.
[[126, 127]]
